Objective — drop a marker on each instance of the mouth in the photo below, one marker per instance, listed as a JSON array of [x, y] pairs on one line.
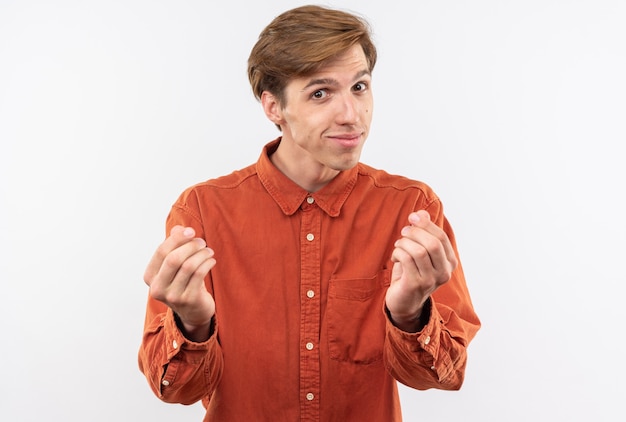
[[347, 140]]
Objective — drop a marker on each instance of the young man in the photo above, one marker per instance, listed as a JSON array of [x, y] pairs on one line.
[[330, 280]]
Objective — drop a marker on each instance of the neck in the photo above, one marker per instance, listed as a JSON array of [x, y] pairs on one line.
[[300, 169]]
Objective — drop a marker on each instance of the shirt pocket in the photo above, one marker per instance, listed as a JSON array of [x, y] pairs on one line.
[[356, 321]]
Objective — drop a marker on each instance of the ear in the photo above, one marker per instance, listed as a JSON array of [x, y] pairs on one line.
[[272, 108]]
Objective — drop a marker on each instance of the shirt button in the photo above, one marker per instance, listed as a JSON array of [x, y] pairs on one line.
[[310, 199], [426, 340], [432, 367], [309, 346], [174, 344], [310, 294], [310, 237], [165, 383], [310, 396]]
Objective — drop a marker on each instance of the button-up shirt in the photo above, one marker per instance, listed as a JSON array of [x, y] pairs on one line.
[[301, 332]]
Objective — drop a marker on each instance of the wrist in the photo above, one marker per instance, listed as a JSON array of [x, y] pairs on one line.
[[197, 333], [410, 324], [413, 322]]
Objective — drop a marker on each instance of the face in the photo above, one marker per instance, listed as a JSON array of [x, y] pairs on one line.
[[325, 117]]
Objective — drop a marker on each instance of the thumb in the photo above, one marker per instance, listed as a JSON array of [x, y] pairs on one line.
[[182, 232], [396, 271]]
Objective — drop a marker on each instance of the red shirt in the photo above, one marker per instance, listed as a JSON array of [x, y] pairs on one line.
[[301, 332]]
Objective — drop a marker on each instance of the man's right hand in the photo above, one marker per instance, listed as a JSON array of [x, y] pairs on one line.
[[176, 275]]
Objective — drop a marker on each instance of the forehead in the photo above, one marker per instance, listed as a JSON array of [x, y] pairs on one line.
[[349, 65]]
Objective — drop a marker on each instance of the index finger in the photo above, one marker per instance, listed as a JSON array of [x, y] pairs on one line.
[[422, 220], [179, 235]]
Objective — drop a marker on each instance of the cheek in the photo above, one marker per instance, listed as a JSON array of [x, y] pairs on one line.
[[367, 115], [368, 106]]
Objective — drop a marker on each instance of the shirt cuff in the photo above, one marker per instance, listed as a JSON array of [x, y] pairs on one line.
[[176, 341], [422, 340]]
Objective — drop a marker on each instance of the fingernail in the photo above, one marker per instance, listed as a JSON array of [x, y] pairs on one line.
[[188, 232], [414, 218]]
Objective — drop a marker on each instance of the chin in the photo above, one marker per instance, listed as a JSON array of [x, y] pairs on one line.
[[346, 165]]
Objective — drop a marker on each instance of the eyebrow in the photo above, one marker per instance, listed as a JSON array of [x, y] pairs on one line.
[[332, 82]]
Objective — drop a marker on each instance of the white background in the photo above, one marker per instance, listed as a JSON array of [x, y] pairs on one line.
[[513, 111]]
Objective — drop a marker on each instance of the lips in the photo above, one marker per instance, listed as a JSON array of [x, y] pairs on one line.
[[348, 140]]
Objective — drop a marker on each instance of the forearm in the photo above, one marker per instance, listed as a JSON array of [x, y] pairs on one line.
[[178, 370], [434, 357]]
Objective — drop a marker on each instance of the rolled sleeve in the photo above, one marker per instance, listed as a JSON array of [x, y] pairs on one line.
[[179, 370], [430, 358]]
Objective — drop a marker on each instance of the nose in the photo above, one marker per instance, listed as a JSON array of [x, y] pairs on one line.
[[348, 112]]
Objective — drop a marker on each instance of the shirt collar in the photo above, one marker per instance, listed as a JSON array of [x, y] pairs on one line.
[[289, 196]]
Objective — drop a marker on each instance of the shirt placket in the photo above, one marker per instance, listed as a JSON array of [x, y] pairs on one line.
[[310, 310]]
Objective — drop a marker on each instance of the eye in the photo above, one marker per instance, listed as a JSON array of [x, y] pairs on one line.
[[319, 94], [360, 86]]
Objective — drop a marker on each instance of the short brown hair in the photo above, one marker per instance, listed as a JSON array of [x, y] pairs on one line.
[[299, 41]]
